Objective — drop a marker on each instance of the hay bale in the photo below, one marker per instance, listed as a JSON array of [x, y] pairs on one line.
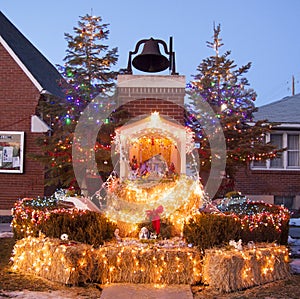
[[148, 265], [231, 270], [134, 262], [52, 259], [74, 263]]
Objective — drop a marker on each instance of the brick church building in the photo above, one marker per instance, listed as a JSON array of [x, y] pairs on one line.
[[26, 76]]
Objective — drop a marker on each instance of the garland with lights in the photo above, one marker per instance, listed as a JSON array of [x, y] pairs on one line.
[[180, 200], [30, 218], [255, 222], [255, 213]]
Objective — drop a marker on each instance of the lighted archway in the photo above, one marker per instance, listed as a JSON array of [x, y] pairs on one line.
[[151, 136], [145, 147]]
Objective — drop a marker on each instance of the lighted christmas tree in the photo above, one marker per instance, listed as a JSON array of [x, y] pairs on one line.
[[221, 84], [87, 73]]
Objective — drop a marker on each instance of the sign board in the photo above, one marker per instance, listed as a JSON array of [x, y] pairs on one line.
[[11, 151]]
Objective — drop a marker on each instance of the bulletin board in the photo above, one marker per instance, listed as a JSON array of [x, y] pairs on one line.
[[11, 151]]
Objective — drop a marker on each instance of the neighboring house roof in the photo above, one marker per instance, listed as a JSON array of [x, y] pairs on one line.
[[286, 110], [42, 73]]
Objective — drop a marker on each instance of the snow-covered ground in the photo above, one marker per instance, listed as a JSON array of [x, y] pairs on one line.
[[293, 241], [295, 221], [5, 230], [295, 266], [6, 235], [25, 294]]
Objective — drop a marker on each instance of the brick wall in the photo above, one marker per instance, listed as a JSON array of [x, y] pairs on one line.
[[259, 182], [18, 100], [145, 94], [146, 106]]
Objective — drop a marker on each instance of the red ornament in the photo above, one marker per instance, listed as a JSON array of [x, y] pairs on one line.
[[156, 225], [155, 218], [152, 141]]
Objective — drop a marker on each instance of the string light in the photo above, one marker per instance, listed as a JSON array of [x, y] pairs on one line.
[[74, 263], [253, 214], [158, 264], [180, 200], [248, 267]]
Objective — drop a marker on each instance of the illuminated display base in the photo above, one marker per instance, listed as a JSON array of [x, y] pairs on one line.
[[134, 262], [162, 262], [129, 202], [231, 270]]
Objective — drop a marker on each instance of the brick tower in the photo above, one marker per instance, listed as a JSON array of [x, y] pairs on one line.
[[143, 94]]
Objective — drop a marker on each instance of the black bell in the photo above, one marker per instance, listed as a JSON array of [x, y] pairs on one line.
[[151, 60]]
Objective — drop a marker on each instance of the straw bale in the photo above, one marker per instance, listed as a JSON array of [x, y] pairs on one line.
[[160, 263], [231, 270], [52, 259], [74, 263]]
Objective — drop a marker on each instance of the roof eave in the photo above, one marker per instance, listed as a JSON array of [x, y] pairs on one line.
[[21, 65]]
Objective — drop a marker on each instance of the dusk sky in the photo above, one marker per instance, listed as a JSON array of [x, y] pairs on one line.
[[264, 32]]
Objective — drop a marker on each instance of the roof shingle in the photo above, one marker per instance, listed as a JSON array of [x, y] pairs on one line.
[[286, 110]]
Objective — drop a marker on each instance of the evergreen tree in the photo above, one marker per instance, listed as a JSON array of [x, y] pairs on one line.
[[88, 62], [87, 73], [221, 84]]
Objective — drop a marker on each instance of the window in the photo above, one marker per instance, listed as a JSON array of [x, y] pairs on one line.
[[287, 201], [259, 164], [276, 139], [293, 151], [289, 159]]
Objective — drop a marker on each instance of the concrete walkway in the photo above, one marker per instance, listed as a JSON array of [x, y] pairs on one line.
[[146, 291]]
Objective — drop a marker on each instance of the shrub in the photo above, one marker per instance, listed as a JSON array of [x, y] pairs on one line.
[[253, 207], [84, 226], [250, 221], [209, 230], [262, 222], [81, 226]]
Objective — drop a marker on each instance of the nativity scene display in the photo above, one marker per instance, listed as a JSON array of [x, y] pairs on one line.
[[150, 229], [155, 167], [152, 176], [152, 146], [151, 221]]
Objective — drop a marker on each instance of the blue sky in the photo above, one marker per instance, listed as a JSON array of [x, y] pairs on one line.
[[264, 32]]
